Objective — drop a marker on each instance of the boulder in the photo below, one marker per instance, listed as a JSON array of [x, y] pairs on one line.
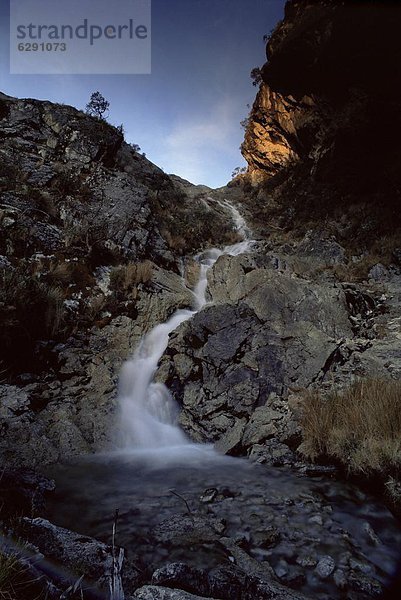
[[152, 592], [81, 555], [182, 576]]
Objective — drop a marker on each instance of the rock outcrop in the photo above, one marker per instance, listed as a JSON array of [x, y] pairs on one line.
[[267, 334]]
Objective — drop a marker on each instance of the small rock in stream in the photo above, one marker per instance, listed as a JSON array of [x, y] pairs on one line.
[[325, 567], [281, 569], [267, 538], [371, 535], [189, 529], [183, 576], [361, 583], [152, 592], [340, 579], [306, 561], [209, 495]]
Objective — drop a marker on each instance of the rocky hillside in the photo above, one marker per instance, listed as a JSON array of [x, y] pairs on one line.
[[322, 136], [295, 357], [91, 246], [323, 185]]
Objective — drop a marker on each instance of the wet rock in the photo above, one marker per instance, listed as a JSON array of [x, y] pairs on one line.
[[252, 567], [371, 534], [276, 591], [271, 453], [281, 569], [230, 441], [267, 538], [364, 584], [187, 529], [316, 519], [209, 495], [313, 470], [182, 576], [340, 579], [265, 333], [232, 583], [362, 567], [228, 582], [80, 554], [152, 592], [290, 575], [325, 567], [306, 561]]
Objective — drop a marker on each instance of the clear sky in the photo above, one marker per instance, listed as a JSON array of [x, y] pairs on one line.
[[186, 114]]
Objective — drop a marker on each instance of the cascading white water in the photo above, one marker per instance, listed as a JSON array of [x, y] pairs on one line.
[[147, 409]]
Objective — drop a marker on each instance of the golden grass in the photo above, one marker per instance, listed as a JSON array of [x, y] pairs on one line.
[[359, 426], [126, 277]]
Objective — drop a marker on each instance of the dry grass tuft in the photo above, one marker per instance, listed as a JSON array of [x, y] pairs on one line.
[[359, 426], [18, 581], [380, 251], [126, 277], [10, 576]]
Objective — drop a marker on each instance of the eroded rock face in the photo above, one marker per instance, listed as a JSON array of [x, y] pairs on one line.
[[272, 140], [267, 333]]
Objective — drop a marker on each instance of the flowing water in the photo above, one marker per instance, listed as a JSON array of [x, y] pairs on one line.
[[148, 413], [158, 475]]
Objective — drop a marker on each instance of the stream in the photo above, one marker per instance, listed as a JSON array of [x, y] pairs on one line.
[[177, 499]]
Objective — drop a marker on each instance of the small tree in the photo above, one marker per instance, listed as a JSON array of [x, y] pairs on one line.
[[238, 171], [256, 76], [97, 106]]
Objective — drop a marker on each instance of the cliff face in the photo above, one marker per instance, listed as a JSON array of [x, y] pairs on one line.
[[272, 139], [327, 118]]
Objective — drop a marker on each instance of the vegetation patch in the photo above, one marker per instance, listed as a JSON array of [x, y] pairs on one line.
[[30, 310], [126, 277], [359, 426]]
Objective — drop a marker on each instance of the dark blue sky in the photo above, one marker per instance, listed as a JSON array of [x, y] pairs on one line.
[[185, 115]]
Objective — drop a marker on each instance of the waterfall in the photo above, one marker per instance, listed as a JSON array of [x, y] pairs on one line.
[[148, 412]]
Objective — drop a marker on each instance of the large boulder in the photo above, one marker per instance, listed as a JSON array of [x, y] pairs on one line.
[[266, 333]]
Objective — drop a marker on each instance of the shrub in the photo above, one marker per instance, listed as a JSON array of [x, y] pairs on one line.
[[359, 426], [32, 300], [71, 273], [256, 76]]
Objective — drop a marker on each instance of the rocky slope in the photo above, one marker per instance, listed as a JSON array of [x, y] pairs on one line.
[[323, 185], [91, 245]]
